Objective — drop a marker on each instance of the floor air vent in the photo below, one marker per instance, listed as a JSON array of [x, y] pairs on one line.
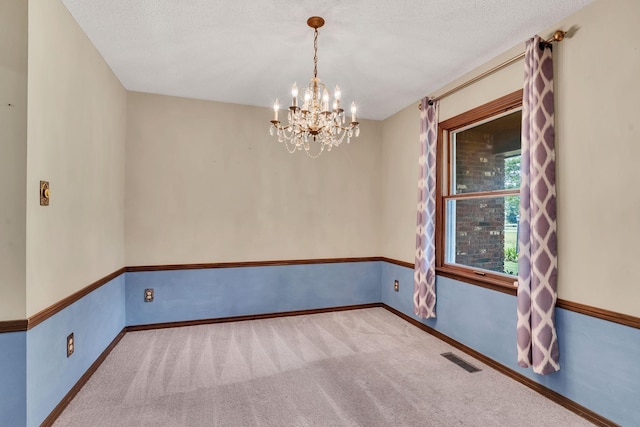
[[464, 365]]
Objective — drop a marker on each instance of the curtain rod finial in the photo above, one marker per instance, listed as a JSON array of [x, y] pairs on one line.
[[558, 36]]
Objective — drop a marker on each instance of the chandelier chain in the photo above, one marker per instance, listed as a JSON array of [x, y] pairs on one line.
[[315, 53]]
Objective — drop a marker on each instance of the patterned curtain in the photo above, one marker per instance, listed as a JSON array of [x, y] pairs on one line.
[[424, 276], [537, 262]]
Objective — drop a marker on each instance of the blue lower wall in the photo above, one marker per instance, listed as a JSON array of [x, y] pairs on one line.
[[95, 321], [13, 375], [225, 292], [599, 360]]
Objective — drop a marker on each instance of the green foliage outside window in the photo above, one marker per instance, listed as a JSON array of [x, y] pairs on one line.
[[511, 181]]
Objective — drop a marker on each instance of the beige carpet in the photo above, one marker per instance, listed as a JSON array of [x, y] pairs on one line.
[[352, 368]]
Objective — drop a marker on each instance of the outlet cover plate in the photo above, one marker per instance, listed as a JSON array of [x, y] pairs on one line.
[[71, 344], [44, 193], [396, 285], [148, 295]]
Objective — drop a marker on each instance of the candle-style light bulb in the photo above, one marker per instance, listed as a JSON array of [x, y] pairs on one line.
[[325, 100], [294, 94], [353, 112], [337, 94], [307, 97], [276, 107]]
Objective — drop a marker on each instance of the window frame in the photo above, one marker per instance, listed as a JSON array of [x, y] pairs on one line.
[[484, 278]]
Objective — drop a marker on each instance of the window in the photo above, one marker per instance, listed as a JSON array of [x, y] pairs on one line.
[[478, 199]]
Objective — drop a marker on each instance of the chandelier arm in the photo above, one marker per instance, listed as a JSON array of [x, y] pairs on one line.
[[283, 128]]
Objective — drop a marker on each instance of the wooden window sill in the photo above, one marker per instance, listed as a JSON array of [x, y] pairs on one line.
[[489, 281]]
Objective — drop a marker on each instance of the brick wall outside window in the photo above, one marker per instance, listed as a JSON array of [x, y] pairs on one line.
[[479, 222]]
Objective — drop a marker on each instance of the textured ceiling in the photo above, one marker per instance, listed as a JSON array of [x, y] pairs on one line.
[[384, 54]]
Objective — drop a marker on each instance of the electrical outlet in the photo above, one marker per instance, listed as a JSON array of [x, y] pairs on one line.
[[396, 285], [71, 345], [148, 295]]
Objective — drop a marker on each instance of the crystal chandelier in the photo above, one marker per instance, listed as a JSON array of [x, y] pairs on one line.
[[313, 127]]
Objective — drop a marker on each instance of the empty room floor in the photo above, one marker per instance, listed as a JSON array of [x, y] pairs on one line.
[[364, 367]]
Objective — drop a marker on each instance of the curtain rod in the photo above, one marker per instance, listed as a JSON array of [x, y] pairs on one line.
[[558, 36]]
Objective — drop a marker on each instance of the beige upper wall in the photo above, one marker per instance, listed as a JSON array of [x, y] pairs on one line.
[[399, 188], [597, 136], [206, 183], [597, 148], [13, 157], [76, 140]]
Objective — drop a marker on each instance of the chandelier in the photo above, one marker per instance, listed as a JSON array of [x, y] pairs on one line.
[[314, 127]]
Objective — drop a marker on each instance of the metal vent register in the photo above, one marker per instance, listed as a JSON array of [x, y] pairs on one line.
[[462, 363]]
